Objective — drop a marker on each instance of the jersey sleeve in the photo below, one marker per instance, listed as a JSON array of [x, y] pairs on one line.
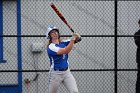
[[52, 49], [66, 42]]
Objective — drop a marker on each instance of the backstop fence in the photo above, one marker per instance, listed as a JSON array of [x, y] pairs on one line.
[[103, 62]]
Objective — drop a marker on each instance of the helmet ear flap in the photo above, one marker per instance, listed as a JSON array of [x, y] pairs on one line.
[[59, 35], [48, 37]]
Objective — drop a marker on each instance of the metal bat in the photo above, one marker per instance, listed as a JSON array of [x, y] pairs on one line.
[[61, 16]]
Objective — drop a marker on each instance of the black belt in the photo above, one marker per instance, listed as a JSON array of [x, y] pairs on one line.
[[62, 69]]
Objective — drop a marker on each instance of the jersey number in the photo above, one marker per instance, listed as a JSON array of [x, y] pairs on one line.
[[64, 56]]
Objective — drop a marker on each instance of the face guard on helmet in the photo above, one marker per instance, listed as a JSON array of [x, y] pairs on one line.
[[51, 28]]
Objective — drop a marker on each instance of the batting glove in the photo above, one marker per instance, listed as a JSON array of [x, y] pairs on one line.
[[78, 37]]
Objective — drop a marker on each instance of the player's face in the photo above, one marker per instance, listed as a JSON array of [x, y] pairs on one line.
[[54, 34]]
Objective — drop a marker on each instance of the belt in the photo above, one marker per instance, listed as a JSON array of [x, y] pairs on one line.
[[62, 69]]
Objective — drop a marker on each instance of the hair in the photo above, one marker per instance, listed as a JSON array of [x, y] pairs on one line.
[[139, 21], [48, 43]]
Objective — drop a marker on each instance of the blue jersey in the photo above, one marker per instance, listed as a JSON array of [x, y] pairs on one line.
[[58, 61]]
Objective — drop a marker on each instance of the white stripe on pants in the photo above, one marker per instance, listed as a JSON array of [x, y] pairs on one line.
[[64, 77]]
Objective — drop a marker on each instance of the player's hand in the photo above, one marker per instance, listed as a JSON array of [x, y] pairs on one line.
[[73, 37], [78, 37]]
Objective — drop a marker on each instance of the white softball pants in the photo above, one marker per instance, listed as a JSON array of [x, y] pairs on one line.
[[64, 77]]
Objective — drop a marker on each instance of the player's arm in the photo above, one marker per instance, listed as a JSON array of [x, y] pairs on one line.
[[68, 48], [137, 40]]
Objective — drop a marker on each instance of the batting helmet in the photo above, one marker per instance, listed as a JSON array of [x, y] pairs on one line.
[[50, 28]]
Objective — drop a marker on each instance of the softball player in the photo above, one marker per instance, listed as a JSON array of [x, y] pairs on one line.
[[58, 50]]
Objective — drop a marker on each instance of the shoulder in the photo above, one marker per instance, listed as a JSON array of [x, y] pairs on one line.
[[53, 47]]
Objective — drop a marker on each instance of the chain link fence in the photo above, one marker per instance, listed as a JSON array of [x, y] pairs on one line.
[[92, 61]]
